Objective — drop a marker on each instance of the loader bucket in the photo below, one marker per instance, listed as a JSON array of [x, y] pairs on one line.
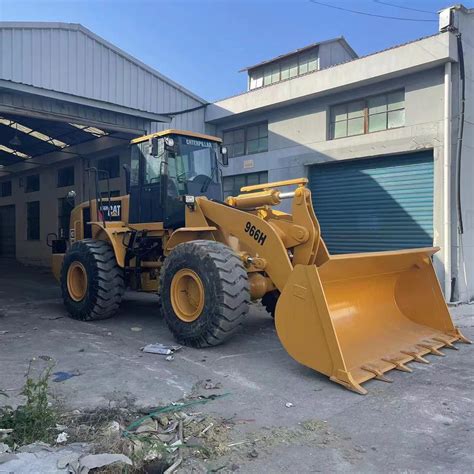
[[358, 316]]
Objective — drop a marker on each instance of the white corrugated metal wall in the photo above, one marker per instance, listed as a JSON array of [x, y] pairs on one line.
[[70, 59]]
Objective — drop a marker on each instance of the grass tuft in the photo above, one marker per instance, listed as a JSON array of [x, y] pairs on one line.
[[35, 420]]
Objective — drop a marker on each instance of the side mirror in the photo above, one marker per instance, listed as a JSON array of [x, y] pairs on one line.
[[225, 156], [154, 146]]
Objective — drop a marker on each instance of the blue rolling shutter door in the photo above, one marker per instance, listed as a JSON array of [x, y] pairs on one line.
[[375, 204]]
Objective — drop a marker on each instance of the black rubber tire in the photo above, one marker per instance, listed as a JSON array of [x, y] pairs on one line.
[[226, 290], [105, 281], [269, 302]]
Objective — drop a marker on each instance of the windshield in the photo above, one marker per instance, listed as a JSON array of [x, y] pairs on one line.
[[194, 162]]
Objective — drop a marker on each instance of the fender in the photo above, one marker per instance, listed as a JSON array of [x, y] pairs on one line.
[[114, 235]]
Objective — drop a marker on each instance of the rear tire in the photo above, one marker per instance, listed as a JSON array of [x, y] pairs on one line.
[[92, 283], [216, 282]]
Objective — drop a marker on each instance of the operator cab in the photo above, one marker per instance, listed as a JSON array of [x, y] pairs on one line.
[[166, 167]]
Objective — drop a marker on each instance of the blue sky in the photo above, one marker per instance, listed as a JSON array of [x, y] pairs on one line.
[[202, 44]]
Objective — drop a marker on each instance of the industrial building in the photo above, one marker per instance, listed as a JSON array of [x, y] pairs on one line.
[[385, 140]]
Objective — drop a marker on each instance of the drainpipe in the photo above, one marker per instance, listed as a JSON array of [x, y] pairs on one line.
[[447, 181]]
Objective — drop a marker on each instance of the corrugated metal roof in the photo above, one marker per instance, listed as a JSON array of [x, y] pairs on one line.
[[339, 39], [68, 58]]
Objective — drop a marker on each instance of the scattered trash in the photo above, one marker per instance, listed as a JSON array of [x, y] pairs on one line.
[[112, 429], [206, 429], [253, 454], [3, 332], [162, 349], [45, 357], [36, 447], [4, 432], [61, 427], [62, 376], [62, 437], [208, 385], [70, 460], [6, 457], [4, 448], [289, 405], [136, 329], [169, 358], [94, 461]]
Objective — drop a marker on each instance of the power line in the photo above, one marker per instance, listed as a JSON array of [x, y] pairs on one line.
[[371, 14], [405, 8]]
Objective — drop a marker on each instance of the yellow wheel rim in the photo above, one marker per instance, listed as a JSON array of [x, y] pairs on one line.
[[77, 281], [187, 295]]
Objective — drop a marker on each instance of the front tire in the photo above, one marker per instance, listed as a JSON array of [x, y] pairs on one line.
[[92, 283], [204, 292]]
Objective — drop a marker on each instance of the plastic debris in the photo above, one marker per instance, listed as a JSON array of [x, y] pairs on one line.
[[62, 437], [3, 332], [94, 461], [62, 376], [169, 358], [4, 448], [136, 329], [209, 385], [6, 457], [289, 405], [162, 349]]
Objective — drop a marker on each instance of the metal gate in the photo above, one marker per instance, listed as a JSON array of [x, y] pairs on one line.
[[383, 203], [7, 231]]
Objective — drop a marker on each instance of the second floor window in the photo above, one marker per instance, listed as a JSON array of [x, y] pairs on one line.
[[246, 140], [373, 114], [111, 165], [295, 65], [66, 176], [32, 183]]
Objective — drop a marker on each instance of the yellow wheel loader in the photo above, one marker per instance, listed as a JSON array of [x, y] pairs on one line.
[[352, 317]]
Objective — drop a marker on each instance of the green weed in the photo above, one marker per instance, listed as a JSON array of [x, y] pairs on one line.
[[35, 419]]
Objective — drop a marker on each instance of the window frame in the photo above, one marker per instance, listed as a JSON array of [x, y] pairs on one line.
[[234, 191], [65, 207], [101, 176], [245, 128], [292, 59], [30, 235], [366, 114], [3, 185], [28, 178], [60, 184]]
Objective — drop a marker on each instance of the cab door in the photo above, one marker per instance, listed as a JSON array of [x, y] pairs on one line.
[[145, 186]]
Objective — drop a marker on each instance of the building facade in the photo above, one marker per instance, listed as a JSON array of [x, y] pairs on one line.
[[70, 101], [384, 140], [378, 139]]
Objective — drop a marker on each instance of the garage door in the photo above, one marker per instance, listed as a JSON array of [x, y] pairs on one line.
[[7, 231], [375, 204]]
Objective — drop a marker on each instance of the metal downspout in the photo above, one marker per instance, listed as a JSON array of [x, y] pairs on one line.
[[447, 180]]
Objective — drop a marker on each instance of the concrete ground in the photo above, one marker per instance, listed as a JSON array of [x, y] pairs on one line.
[[420, 422]]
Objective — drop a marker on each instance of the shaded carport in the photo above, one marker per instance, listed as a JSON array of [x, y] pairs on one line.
[[67, 98]]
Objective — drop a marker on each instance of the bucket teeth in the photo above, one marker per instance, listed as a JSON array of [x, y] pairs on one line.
[[398, 365], [446, 343], [354, 387], [432, 349], [416, 357], [459, 335], [378, 374]]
